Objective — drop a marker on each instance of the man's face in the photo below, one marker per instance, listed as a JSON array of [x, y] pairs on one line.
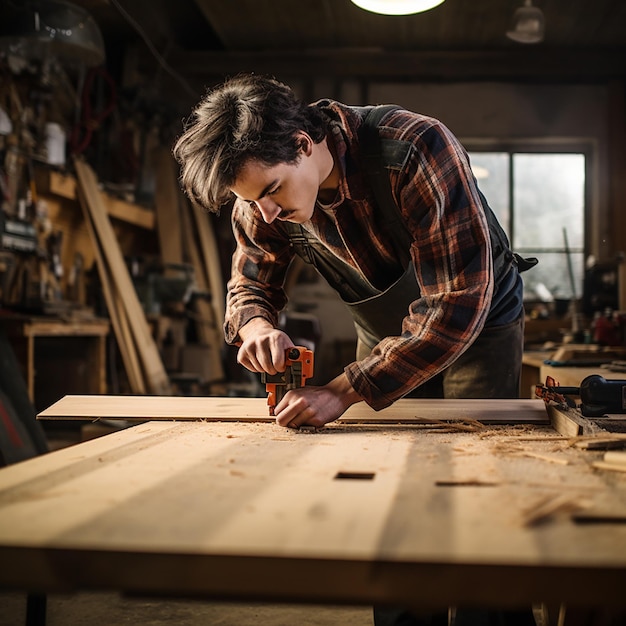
[[284, 192]]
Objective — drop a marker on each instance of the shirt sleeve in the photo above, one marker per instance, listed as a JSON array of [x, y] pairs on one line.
[[259, 266], [451, 252]]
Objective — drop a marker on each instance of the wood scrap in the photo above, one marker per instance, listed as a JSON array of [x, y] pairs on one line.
[[612, 467], [541, 438], [612, 461], [618, 458], [599, 442], [563, 422]]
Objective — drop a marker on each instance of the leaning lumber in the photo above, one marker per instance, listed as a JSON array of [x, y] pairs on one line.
[[154, 374]]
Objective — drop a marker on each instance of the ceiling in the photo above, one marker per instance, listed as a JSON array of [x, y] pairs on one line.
[[458, 40]]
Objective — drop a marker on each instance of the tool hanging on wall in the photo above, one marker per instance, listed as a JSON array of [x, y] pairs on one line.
[[90, 118]]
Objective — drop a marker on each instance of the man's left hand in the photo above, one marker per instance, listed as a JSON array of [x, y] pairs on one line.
[[316, 406]]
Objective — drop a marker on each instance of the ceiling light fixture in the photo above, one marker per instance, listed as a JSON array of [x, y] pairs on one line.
[[397, 7], [528, 24]]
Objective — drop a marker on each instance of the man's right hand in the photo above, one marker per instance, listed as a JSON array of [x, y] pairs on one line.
[[263, 347]]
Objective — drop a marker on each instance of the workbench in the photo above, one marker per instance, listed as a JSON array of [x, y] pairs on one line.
[[413, 511], [69, 355]]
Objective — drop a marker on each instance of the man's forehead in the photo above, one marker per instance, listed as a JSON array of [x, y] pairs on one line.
[[255, 180]]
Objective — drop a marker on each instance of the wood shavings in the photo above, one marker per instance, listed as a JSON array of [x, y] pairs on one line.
[[466, 425], [546, 438], [513, 449], [545, 457], [596, 442]]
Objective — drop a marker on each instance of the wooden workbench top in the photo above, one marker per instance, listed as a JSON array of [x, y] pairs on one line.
[[353, 513]]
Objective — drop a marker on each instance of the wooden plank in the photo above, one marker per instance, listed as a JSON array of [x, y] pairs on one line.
[[563, 423], [65, 328], [152, 365], [211, 258], [166, 203], [407, 411], [618, 458], [117, 314], [260, 512], [207, 329]]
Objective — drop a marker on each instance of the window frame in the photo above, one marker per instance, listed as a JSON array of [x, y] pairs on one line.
[[514, 146]]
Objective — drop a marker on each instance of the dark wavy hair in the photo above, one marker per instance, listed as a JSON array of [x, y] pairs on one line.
[[249, 117]]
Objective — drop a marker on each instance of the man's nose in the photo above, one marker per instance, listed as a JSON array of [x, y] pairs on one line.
[[269, 209]]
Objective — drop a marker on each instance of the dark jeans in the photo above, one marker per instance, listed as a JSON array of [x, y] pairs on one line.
[[489, 368]]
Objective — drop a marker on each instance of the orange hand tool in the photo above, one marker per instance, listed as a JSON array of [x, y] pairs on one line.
[[299, 367]]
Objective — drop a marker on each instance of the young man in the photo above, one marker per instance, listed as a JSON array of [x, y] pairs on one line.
[[389, 212]]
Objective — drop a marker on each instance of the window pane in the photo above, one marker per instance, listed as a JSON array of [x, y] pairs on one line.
[[491, 170], [548, 196], [552, 273]]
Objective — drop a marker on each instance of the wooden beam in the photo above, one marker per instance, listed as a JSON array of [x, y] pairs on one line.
[[64, 185]]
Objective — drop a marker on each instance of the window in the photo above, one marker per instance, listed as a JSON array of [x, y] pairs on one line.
[[539, 198]]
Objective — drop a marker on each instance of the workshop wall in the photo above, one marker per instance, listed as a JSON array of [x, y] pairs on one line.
[[116, 117]]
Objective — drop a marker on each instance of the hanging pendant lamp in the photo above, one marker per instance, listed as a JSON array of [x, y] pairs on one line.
[[397, 7], [528, 24]]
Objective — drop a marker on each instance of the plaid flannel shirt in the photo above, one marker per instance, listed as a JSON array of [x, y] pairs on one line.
[[451, 251]]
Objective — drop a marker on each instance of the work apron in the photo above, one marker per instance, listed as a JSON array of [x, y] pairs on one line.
[[379, 313], [376, 313], [489, 368]]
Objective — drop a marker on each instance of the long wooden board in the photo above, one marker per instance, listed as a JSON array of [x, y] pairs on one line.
[[208, 329], [254, 511], [111, 255], [166, 205], [255, 409], [118, 318], [212, 263]]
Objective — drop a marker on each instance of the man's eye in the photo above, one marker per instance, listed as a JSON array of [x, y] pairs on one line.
[[274, 191]]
